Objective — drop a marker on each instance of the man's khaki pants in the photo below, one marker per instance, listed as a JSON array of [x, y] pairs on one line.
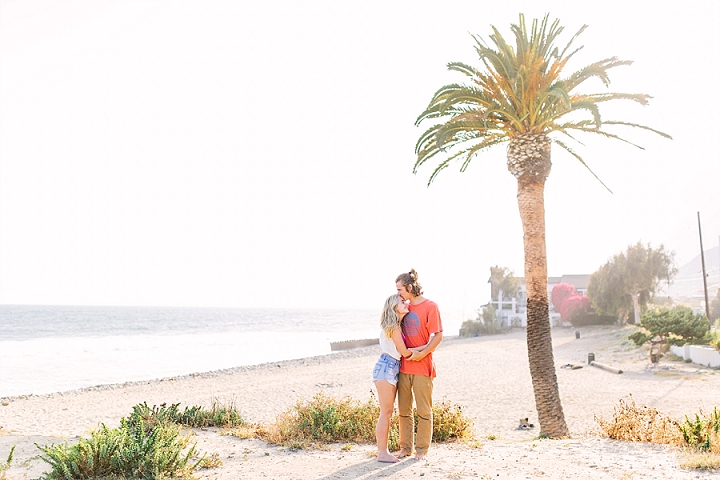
[[420, 387]]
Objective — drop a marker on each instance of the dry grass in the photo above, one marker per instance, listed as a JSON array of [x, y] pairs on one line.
[[641, 424], [700, 436], [244, 432], [700, 460]]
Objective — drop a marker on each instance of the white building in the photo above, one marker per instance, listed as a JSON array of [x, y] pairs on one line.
[[512, 312]]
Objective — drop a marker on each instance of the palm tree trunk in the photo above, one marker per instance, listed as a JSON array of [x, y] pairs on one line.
[[539, 339], [529, 161]]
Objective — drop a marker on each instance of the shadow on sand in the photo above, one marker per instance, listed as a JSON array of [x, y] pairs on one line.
[[370, 469]]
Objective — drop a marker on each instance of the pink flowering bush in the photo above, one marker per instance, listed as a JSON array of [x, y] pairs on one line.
[[573, 306], [559, 294]]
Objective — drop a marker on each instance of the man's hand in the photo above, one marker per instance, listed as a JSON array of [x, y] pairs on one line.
[[416, 356]]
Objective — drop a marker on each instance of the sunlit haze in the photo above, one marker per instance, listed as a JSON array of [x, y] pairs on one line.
[[260, 154]]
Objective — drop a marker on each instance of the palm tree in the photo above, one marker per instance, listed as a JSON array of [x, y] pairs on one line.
[[522, 97]]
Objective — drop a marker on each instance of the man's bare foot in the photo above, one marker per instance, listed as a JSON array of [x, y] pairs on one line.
[[385, 457], [419, 456], [403, 454]]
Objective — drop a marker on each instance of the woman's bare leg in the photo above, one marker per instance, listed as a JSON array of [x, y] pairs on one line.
[[386, 398]]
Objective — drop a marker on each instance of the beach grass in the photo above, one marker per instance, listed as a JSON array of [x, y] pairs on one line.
[[4, 466], [148, 444], [325, 419], [218, 415]]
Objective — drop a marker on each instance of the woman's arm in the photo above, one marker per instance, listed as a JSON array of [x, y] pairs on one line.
[[399, 344], [420, 348], [435, 340]]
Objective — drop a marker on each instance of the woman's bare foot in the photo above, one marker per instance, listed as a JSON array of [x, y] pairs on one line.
[[403, 454], [419, 456], [385, 457]]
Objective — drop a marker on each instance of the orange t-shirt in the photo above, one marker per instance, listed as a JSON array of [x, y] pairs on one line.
[[417, 326]]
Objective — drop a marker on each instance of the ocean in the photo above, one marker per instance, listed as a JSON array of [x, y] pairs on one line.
[[46, 349]]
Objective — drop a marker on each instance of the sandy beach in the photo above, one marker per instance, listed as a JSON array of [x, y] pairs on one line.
[[488, 376]]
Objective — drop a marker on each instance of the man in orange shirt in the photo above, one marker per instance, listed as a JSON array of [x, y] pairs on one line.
[[421, 327]]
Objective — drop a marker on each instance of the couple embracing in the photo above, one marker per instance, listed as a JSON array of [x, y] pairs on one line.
[[411, 331]]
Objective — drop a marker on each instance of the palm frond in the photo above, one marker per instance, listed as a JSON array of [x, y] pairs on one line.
[[574, 154], [462, 68], [642, 127], [596, 70], [472, 129], [641, 98], [568, 134], [426, 138], [587, 129], [591, 107], [469, 154], [442, 165], [484, 145], [572, 40], [519, 86]]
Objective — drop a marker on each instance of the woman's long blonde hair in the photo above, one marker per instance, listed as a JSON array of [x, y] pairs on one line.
[[390, 320]]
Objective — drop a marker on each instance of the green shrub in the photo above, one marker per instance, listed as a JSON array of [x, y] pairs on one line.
[[713, 337], [584, 319], [676, 325], [148, 444], [486, 323], [703, 432], [325, 419], [472, 328]]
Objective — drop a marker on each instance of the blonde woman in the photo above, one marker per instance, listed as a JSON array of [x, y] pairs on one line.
[[421, 326], [387, 368]]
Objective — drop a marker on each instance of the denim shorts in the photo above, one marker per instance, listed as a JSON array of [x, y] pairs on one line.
[[386, 368]]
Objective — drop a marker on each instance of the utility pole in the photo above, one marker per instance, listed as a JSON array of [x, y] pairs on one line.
[[702, 260]]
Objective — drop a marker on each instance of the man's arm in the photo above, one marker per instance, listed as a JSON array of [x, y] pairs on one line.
[[431, 346]]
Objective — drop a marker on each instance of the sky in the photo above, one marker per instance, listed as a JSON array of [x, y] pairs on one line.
[[260, 154]]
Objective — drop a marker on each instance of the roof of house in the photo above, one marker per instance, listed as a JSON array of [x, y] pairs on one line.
[[577, 281]]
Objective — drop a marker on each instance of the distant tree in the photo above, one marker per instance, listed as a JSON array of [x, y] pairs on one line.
[[560, 293], [502, 278], [715, 307], [629, 280], [671, 326], [607, 292]]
